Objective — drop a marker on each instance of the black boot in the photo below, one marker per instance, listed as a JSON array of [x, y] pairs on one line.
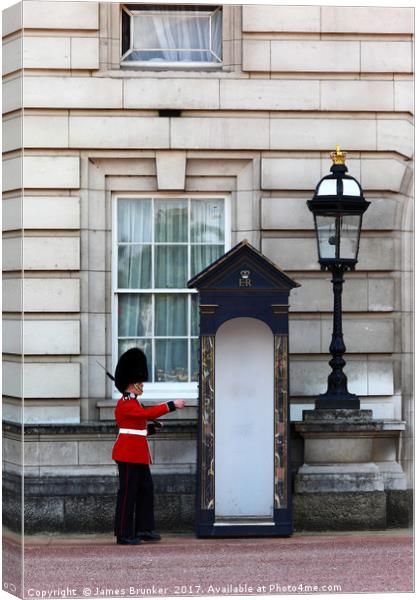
[[148, 536], [135, 541]]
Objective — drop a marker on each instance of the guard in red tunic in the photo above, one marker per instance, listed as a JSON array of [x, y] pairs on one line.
[[134, 516]]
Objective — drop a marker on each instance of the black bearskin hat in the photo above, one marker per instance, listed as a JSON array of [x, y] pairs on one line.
[[131, 368]]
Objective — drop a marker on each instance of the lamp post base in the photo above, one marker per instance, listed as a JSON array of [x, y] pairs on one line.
[[338, 400], [350, 474]]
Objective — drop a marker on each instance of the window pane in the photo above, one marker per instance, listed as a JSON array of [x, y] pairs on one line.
[[171, 314], [216, 33], [195, 346], [145, 345], [350, 188], [171, 360], [326, 236], [171, 266], [170, 30], [202, 256], [134, 220], [134, 267], [194, 314], [135, 315], [328, 188], [349, 236], [207, 220], [171, 221]]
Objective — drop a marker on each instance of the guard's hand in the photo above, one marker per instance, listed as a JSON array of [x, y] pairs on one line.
[[179, 403]]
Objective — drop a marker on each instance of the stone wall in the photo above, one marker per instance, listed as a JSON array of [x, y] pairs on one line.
[[294, 82], [70, 484]]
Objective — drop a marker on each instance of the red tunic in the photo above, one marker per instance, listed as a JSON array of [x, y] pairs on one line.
[[130, 414]]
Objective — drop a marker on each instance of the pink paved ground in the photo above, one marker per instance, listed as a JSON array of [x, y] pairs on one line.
[[186, 566]]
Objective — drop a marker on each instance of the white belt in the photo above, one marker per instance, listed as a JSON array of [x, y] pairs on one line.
[[134, 431]]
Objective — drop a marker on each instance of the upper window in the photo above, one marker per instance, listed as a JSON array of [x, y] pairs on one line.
[[160, 243], [157, 35]]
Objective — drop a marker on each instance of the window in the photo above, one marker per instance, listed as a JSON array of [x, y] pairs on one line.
[[160, 243], [157, 35]]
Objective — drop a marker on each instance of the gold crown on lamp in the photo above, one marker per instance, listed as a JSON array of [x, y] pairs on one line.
[[338, 157]]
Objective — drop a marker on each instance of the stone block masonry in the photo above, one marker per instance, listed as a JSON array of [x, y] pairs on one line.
[[81, 128]]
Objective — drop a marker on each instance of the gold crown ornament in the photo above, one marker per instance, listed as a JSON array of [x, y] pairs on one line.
[[338, 157]]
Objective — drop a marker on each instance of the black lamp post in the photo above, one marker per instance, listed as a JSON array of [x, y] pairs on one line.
[[338, 206]]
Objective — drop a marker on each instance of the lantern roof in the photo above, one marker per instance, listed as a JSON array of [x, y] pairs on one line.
[[338, 192]]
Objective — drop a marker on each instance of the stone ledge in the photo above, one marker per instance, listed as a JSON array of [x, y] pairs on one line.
[[345, 421], [87, 428], [336, 414], [362, 477]]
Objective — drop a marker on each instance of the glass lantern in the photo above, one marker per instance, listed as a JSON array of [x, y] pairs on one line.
[[338, 206]]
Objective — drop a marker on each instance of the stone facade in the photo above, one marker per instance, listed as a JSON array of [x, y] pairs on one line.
[[295, 81]]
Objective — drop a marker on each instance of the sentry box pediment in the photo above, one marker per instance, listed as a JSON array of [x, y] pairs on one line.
[[243, 267], [243, 473]]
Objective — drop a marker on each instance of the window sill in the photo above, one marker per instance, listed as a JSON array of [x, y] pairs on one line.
[[146, 66], [106, 410], [125, 72], [162, 392]]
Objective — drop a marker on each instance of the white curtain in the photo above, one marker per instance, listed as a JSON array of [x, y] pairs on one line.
[[202, 256], [134, 251], [207, 220], [171, 360], [177, 35], [134, 322], [208, 230], [171, 264], [194, 315], [171, 261], [134, 220], [171, 220], [134, 267], [171, 315], [195, 343], [171, 319], [195, 347]]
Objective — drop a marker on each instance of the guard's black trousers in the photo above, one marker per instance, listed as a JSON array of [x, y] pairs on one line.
[[134, 510]]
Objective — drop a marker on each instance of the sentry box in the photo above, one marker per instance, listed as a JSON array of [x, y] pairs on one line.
[[243, 474]]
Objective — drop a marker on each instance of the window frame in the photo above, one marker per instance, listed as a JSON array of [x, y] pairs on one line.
[[166, 64], [157, 390]]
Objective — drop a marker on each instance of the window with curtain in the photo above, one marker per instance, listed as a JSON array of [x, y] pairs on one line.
[[160, 244], [171, 35]]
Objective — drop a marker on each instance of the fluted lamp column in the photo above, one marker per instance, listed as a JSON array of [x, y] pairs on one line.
[[338, 206]]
